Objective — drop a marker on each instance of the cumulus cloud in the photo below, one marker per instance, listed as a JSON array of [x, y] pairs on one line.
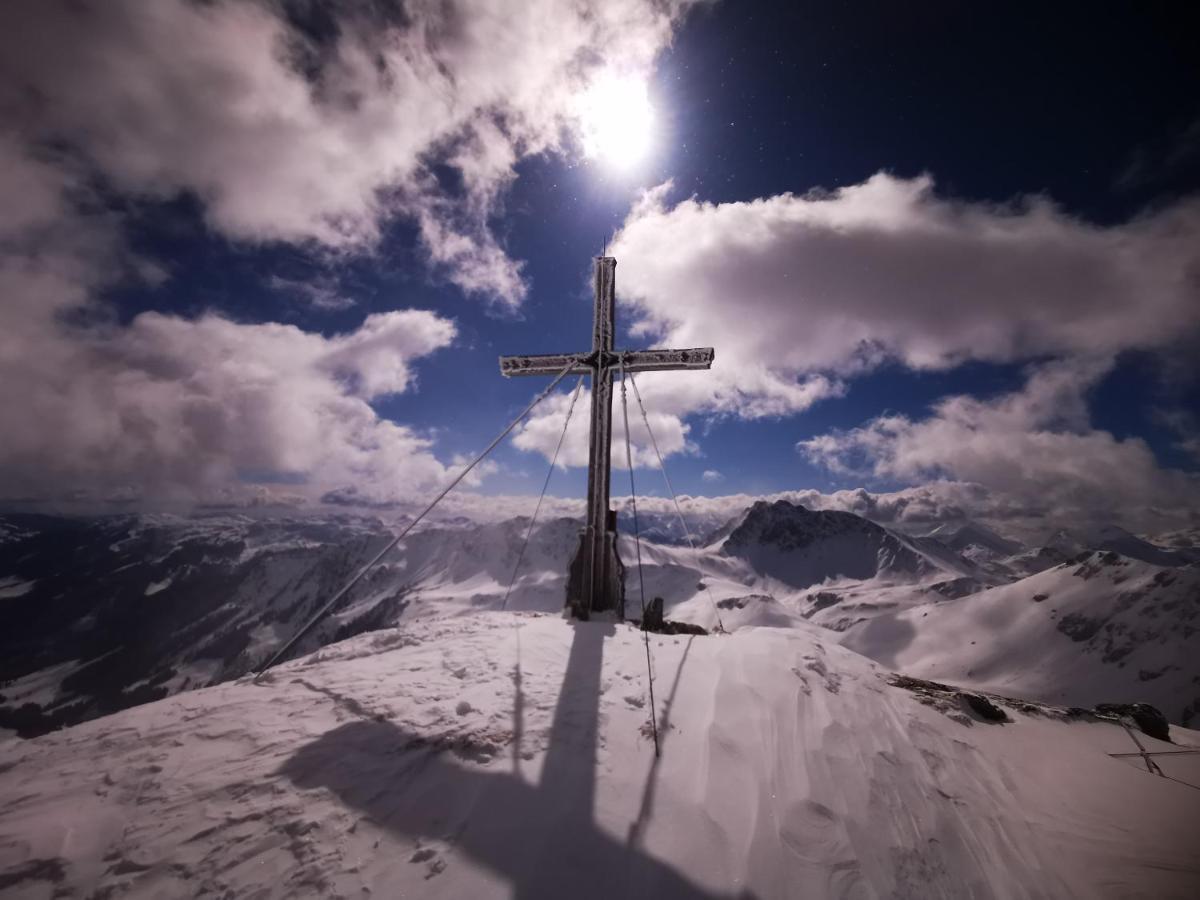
[[800, 294], [1186, 425], [540, 432], [286, 123], [887, 269], [206, 408], [311, 134], [172, 405], [1034, 447]]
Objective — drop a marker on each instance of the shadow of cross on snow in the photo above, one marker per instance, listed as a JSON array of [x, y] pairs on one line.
[[543, 838]]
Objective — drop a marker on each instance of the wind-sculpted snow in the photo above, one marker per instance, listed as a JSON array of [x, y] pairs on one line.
[[508, 755], [1102, 628]]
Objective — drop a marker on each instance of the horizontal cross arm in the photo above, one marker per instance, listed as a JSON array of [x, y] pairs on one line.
[[634, 361], [543, 364], [662, 360]]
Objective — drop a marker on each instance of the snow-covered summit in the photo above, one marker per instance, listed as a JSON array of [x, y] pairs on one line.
[[802, 547], [1118, 540], [507, 755], [975, 540]]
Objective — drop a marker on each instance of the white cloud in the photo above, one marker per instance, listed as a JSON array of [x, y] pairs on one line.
[[540, 432], [800, 294], [177, 407], [320, 293], [1034, 447], [712, 476], [281, 136], [834, 282], [171, 408], [1186, 425], [286, 137]]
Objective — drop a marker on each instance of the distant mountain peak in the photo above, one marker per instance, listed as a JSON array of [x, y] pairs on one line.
[[801, 547], [965, 534]]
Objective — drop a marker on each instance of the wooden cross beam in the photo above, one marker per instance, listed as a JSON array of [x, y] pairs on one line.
[[597, 578]]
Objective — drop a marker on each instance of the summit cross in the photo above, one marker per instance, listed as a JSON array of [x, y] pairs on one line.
[[596, 580]]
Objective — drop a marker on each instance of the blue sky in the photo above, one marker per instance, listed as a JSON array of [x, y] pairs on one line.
[[1093, 113]]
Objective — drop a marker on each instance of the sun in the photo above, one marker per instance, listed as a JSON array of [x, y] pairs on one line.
[[616, 120]]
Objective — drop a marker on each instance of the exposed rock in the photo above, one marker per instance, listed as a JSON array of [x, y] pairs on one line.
[[670, 627], [655, 622], [803, 547], [652, 619], [1145, 716], [983, 707], [742, 602], [1079, 627], [957, 587], [823, 599]]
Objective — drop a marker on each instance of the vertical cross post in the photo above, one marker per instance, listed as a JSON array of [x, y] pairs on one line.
[[596, 581], [600, 583]]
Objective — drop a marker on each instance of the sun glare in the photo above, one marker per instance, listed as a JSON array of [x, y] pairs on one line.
[[616, 120]]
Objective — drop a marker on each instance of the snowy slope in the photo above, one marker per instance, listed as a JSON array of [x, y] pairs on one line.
[[975, 540], [1106, 629], [1031, 562], [103, 614], [507, 755], [100, 614], [1118, 540], [802, 547]]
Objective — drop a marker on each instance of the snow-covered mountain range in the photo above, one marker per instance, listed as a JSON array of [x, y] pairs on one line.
[[101, 614], [436, 746]]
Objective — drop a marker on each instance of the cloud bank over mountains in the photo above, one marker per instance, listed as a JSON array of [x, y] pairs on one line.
[[1034, 446], [916, 510]]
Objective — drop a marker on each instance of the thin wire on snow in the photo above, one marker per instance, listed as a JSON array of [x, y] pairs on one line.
[[324, 610], [675, 499], [545, 487], [637, 542]]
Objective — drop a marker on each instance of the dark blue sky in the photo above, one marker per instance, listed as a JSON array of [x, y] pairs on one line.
[[1089, 105]]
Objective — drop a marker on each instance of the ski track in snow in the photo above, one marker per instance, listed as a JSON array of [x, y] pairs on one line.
[[506, 755]]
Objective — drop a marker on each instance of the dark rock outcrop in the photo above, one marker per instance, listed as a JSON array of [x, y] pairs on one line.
[[1147, 718]]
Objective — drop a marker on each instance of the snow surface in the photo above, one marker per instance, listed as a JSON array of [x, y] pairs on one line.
[[1104, 629], [507, 755], [976, 538]]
